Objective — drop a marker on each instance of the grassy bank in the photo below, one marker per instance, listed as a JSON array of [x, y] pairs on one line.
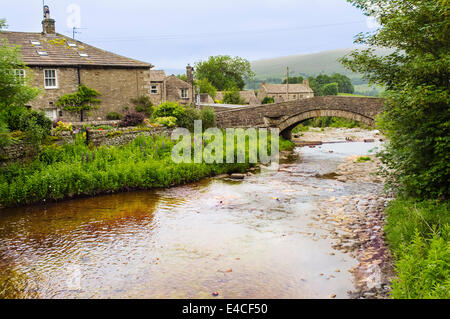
[[418, 234], [75, 170]]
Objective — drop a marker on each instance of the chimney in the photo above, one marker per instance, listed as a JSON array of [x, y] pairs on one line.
[[306, 82], [190, 79], [48, 24], [189, 75]]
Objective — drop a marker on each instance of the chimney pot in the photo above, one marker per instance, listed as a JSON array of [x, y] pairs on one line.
[[48, 24]]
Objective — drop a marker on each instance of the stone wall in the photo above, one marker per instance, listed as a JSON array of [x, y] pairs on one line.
[[16, 152], [123, 136], [21, 150]]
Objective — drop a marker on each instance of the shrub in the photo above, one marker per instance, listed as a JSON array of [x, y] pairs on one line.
[[132, 119], [168, 121], [143, 104], [268, 100], [208, 116], [169, 109], [35, 124], [233, 96], [418, 234], [113, 116], [192, 114], [63, 127]]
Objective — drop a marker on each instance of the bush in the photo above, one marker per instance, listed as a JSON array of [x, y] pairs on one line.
[[143, 104], [418, 234], [233, 96], [330, 89], [268, 100], [35, 124], [192, 114], [168, 121], [132, 119], [208, 116], [169, 109], [114, 116]]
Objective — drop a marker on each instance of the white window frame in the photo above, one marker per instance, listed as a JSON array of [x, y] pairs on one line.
[[185, 96], [153, 89], [50, 78], [20, 74]]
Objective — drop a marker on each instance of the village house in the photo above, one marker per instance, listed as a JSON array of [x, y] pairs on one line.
[[248, 96], [285, 92], [171, 88], [59, 64]]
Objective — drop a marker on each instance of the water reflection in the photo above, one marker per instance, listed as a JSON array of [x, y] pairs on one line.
[[250, 239]]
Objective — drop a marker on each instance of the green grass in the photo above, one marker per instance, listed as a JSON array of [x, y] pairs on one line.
[[418, 234], [75, 170], [364, 159]]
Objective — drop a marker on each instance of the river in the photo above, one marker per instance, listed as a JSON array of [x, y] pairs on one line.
[[239, 239]]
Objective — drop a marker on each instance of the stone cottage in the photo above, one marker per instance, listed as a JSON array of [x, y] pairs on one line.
[[285, 92], [171, 88], [58, 64], [248, 96]]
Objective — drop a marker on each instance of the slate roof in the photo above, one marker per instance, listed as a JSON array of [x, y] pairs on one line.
[[61, 54], [157, 76], [293, 88]]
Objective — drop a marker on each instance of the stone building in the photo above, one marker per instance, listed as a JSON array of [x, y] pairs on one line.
[[58, 64], [285, 92], [171, 88], [248, 96]]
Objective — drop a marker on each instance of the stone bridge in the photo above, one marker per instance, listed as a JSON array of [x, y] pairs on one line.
[[288, 115]]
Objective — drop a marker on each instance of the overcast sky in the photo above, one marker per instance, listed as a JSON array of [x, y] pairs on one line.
[[172, 33]]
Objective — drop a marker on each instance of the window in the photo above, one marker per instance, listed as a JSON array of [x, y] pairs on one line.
[[154, 89], [50, 79], [295, 97], [84, 55], [35, 42], [72, 45], [42, 53], [51, 114], [184, 93], [20, 73]]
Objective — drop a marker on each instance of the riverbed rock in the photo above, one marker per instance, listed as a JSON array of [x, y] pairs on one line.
[[237, 176]]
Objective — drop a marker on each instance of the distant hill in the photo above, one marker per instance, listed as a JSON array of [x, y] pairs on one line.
[[305, 64]]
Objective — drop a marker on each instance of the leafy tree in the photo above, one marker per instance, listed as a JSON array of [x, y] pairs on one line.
[[85, 99], [224, 72], [268, 100], [416, 75], [233, 96], [330, 89], [294, 80], [206, 87], [344, 83], [14, 90]]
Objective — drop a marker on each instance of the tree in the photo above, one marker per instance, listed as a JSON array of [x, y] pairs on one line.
[[85, 99], [233, 96], [416, 117], [14, 90], [330, 89], [15, 93], [206, 87], [224, 72], [294, 80]]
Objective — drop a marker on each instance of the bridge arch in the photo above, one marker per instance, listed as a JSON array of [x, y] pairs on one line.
[[286, 125]]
